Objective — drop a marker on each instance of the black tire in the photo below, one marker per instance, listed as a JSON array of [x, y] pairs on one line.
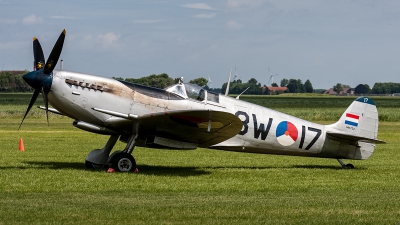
[[112, 156], [350, 166], [123, 162], [90, 165]]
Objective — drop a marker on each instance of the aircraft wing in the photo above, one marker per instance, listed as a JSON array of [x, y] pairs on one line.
[[201, 128], [354, 138]]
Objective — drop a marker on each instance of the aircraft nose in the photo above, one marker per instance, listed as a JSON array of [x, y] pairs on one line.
[[30, 78], [38, 80]]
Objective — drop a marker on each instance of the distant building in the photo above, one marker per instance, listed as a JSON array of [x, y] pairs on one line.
[[277, 89], [271, 89], [345, 91]]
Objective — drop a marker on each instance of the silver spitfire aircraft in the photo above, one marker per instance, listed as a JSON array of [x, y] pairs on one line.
[[185, 116]]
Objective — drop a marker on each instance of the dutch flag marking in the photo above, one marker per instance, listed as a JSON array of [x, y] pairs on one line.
[[351, 119]]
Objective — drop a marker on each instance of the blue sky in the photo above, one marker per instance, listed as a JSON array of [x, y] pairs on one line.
[[327, 42]]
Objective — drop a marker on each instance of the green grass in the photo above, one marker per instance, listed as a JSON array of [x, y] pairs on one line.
[[48, 183]]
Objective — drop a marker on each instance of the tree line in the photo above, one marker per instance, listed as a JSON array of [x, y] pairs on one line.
[[12, 81]]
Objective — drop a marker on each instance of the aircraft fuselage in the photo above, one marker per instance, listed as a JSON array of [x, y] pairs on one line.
[[264, 130]]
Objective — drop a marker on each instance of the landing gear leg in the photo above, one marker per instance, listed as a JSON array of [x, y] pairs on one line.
[[98, 158], [345, 166], [123, 160]]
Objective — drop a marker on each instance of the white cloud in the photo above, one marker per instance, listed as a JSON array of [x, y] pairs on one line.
[[108, 38], [198, 6], [206, 16], [234, 25], [148, 21], [32, 19]]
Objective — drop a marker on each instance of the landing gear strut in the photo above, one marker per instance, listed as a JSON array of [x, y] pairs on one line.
[[98, 158], [345, 166]]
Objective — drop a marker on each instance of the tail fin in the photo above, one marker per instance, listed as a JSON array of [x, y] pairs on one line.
[[358, 127], [358, 122]]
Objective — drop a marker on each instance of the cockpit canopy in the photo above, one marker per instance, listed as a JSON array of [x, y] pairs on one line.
[[192, 91]]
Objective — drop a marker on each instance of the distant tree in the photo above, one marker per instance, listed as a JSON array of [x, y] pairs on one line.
[[237, 87], [291, 87], [12, 81], [274, 85], [252, 81], [362, 89], [368, 88], [308, 86], [118, 78], [199, 81], [298, 85], [386, 88], [159, 81], [338, 88], [4, 84], [284, 82], [264, 90]]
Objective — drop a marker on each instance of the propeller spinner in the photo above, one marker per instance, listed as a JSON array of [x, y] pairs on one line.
[[42, 77]]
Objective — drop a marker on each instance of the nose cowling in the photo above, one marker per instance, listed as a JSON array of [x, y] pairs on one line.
[[38, 80]]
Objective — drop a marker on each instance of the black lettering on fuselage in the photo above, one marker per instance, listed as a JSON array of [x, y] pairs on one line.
[[260, 129], [245, 122]]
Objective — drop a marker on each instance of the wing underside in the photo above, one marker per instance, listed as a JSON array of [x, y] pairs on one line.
[[183, 128]]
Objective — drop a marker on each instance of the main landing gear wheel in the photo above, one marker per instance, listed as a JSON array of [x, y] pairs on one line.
[[123, 162]]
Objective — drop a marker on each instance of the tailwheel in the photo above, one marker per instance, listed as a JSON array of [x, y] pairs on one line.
[[122, 161], [91, 165], [345, 166], [349, 166]]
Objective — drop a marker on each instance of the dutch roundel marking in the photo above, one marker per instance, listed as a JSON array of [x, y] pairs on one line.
[[286, 133], [352, 119]]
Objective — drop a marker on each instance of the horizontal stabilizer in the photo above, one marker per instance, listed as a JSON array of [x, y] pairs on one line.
[[354, 138]]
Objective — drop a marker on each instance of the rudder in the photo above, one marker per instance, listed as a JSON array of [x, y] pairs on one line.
[[357, 127], [359, 119]]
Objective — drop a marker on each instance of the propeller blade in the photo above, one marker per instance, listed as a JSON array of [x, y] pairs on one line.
[[55, 54], [33, 100], [46, 104], [38, 54]]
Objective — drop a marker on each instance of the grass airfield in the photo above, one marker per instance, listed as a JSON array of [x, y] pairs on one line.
[[49, 184]]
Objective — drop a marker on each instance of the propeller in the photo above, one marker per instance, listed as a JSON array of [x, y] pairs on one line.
[[42, 77]]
